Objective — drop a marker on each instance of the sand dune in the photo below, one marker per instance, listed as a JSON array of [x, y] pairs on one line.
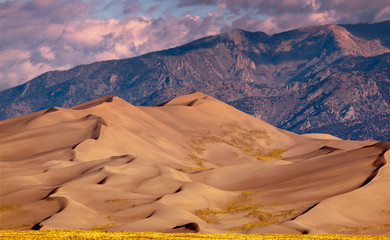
[[192, 164]]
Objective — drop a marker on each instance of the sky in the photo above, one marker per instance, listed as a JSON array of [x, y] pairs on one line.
[[37, 36]]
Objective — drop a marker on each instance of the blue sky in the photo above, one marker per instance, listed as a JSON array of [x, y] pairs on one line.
[[43, 35]]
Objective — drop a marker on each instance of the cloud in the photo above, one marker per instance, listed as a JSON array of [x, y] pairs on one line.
[[131, 7], [39, 36], [279, 15], [42, 35]]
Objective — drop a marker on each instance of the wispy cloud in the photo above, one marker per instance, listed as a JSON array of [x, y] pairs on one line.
[[42, 35]]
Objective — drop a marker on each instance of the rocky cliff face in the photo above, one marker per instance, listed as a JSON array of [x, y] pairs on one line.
[[333, 79]]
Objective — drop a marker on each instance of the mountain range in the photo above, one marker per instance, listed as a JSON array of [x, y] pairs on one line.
[[330, 79], [191, 164]]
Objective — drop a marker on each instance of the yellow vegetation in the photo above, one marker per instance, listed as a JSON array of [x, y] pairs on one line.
[[245, 202], [237, 204], [4, 208], [274, 154], [122, 201], [208, 215], [247, 226], [360, 229], [65, 235], [25, 226], [251, 142], [98, 227]]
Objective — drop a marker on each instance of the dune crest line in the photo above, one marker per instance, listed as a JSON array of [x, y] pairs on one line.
[[192, 164]]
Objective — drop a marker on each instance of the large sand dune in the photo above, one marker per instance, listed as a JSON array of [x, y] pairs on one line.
[[193, 164]]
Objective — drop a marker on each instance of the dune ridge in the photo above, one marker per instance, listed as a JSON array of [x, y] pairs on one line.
[[192, 164]]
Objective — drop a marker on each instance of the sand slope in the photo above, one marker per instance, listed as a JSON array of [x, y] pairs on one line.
[[193, 164]]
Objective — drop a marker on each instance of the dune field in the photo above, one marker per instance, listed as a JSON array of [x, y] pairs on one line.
[[192, 164]]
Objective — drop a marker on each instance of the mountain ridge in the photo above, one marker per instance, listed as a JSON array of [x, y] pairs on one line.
[[314, 75]]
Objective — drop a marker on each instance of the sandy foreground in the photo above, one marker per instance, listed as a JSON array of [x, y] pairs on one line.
[[193, 164]]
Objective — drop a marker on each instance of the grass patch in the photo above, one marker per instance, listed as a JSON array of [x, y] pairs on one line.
[[64, 235], [17, 228], [360, 229], [257, 214], [238, 204], [200, 165], [121, 201], [208, 215], [247, 226], [4, 208], [274, 154], [251, 142]]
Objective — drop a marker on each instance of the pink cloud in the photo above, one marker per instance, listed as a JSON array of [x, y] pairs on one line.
[[35, 45]]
